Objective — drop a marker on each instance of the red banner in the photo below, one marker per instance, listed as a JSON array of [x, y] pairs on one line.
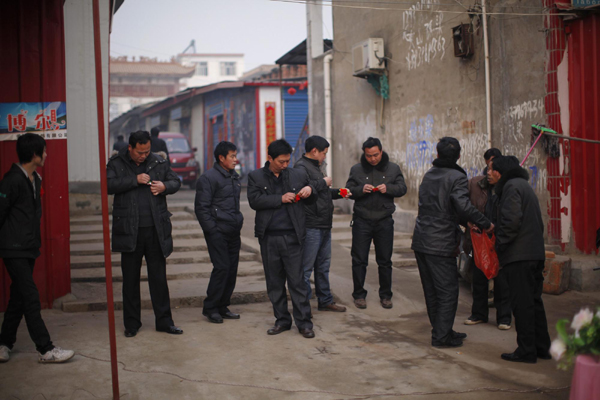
[[270, 118]]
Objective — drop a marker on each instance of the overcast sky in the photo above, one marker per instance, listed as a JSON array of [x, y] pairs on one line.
[[263, 30]]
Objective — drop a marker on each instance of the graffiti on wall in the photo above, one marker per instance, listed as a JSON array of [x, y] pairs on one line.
[[426, 43]]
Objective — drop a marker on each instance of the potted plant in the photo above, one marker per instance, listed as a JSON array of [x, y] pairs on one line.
[[582, 344]]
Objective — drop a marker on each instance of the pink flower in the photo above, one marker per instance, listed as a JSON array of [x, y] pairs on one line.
[[558, 349], [582, 318]]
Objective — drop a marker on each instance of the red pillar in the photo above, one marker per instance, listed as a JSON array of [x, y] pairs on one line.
[[33, 70]]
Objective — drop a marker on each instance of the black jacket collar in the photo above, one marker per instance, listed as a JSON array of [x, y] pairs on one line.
[[443, 163], [315, 162], [385, 159], [233, 173], [514, 173]]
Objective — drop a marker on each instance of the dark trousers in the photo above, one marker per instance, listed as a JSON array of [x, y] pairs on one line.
[[147, 246], [526, 282], [382, 234], [24, 301], [282, 261], [439, 277], [480, 309], [224, 253]]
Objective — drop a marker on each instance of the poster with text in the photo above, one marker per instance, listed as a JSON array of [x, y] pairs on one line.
[[47, 119]]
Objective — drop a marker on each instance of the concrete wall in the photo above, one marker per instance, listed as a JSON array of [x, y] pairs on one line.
[[84, 173], [434, 94], [197, 129]]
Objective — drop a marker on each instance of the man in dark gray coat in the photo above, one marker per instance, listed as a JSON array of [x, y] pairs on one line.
[[141, 228], [319, 221], [374, 182], [521, 252], [217, 208], [276, 193], [443, 205]]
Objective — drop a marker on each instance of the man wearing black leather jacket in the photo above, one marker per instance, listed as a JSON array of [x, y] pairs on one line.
[[374, 182], [141, 228], [217, 208], [443, 205], [277, 192]]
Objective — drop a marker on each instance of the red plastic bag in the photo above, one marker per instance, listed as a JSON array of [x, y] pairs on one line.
[[484, 252]]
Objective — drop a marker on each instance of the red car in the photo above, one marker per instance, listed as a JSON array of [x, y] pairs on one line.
[[182, 158]]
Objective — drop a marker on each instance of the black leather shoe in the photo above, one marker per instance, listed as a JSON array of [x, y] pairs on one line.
[[130, 332], [277, 329], [307, 333], [230, 315], [517, 358], [452, 342], [173, 330], [215, 318], [459, 335], [544, 355]]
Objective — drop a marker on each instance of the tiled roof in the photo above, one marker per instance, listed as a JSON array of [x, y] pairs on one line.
[[150, 68]]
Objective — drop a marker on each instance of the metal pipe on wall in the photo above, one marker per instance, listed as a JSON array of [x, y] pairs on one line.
[[486, 50], [327, 86]]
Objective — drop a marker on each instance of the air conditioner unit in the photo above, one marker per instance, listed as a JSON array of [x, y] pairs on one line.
[[367, 57]]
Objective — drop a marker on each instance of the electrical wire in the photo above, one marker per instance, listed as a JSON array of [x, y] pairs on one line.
[[322, 3]]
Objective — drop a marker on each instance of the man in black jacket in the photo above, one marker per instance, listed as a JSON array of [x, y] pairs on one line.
[[374, 183], [521, 252], [141, 227], [20, 242], [276, 193], [319, 221], [217, 208], [443, 205], [158, 145]]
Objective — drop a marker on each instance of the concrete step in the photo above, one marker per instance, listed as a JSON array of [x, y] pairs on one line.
[[342, 217], [91, 296], [174, 272], [82, 237], [179, 215], [186, 257], [189, 223], [97, 248]]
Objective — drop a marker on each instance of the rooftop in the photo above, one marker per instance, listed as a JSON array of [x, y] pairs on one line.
[[149, 67]]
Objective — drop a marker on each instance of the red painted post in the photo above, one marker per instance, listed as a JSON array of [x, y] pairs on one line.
[[104, 194]]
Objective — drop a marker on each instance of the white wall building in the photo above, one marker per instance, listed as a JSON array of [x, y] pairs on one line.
[[211, 68]]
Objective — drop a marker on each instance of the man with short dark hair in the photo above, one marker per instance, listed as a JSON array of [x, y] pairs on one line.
[[276, 193], [120, 144], [483, 197], [217, 208], [141, 228], [374, 182], [443, 205], [521, 252], [20, 242], [158, 144], [319, 221]]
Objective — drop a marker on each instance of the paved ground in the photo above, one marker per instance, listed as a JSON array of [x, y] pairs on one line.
[[360, 354]]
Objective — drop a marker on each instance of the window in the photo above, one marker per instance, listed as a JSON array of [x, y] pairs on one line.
[[227, 68], [202, 68]]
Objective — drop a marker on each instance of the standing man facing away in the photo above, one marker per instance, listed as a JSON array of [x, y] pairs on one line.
[[217, 208], [280, 228], [374, 183], [319, 221], [141, 227], [483, 197], [119, 144], [521, 252], [443, 205], [158, 145], [20, 242]]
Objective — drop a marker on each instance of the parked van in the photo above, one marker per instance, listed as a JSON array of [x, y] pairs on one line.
[[181, 155]]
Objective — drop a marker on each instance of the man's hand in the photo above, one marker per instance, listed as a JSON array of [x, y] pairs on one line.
[[157, 187], [289, 197], [382, 188], [490, 229], [305, 192], [328, 180], [143, 179], [367, 188], [348, 195]]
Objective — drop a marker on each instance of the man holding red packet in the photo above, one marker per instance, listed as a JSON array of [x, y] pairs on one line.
[[319, 221]]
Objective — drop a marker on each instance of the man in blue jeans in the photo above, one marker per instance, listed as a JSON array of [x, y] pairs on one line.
[[319, 220]]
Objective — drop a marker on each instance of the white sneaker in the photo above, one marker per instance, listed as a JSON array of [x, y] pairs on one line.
[[4, 354], [503, 327], [56, 355]]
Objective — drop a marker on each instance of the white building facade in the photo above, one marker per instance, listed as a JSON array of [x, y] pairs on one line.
[[211, 68]]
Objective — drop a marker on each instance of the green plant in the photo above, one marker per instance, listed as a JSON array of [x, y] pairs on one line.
[[584, 340]]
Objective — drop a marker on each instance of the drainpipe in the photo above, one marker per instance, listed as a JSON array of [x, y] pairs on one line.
[[327, 83], [486, 50]]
